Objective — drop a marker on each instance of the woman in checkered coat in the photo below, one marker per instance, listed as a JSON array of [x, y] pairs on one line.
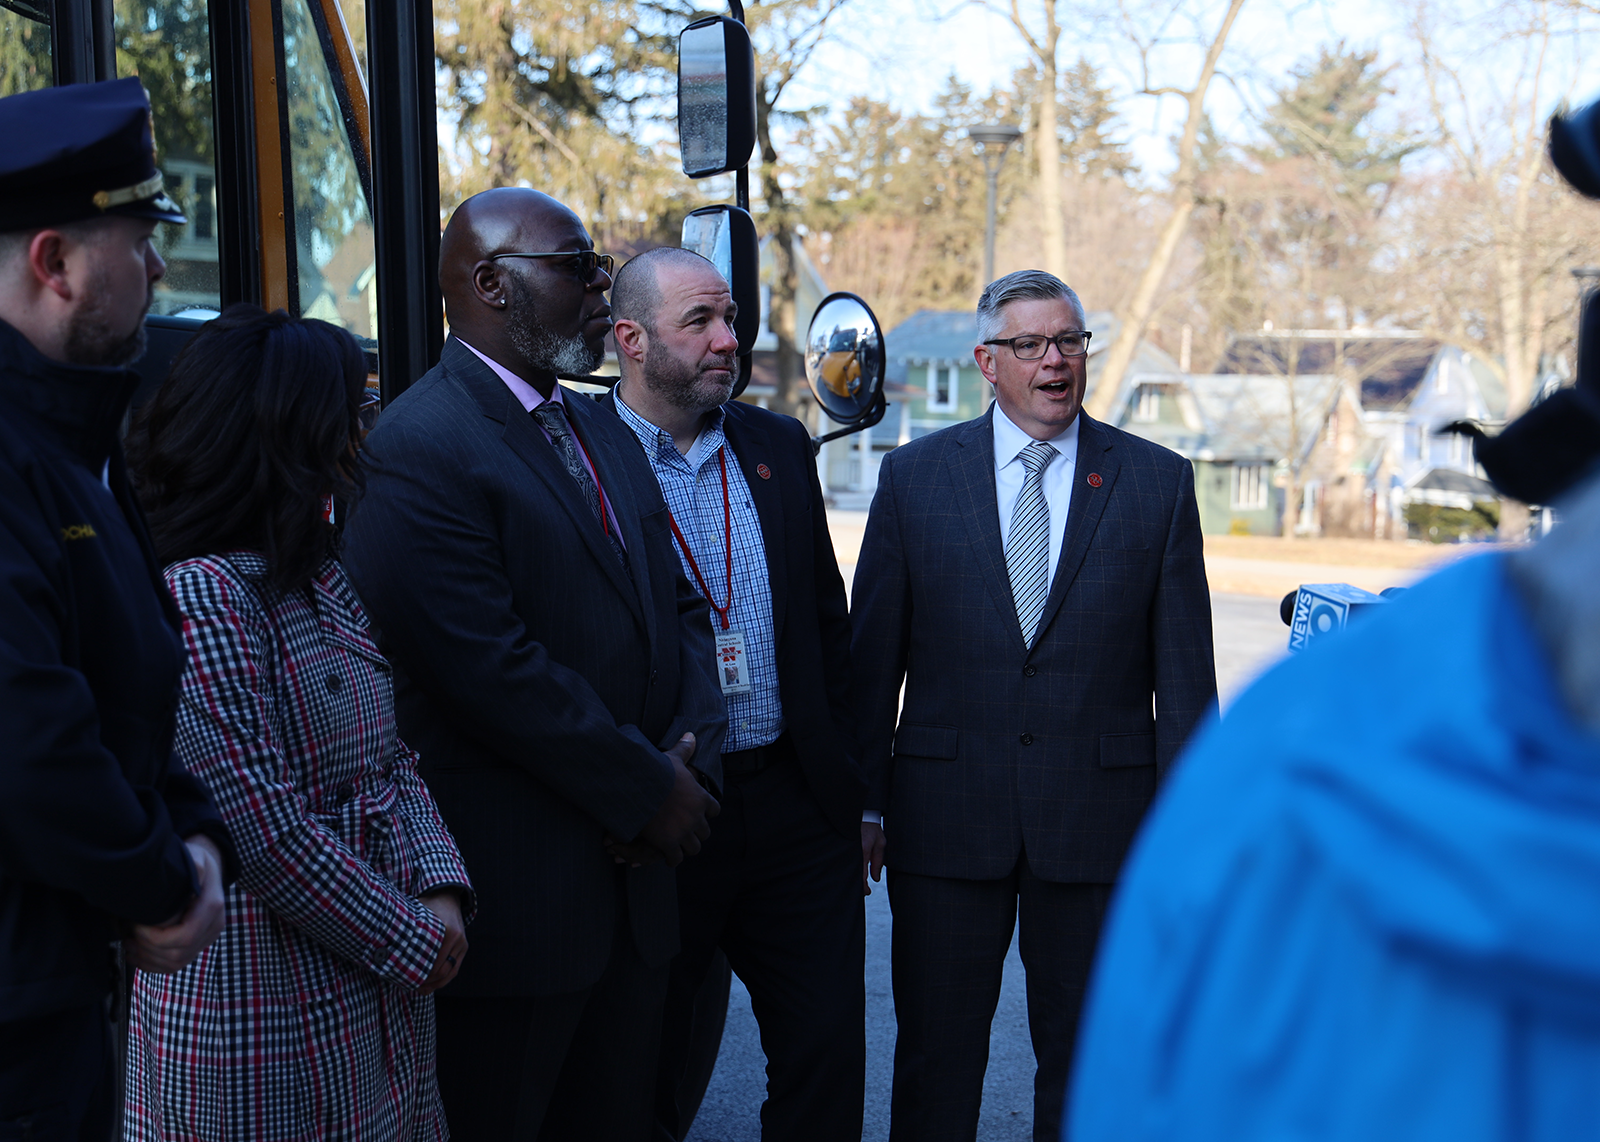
[[311, 1016]]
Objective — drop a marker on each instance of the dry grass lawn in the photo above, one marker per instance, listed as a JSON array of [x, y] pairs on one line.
[[1412, 554]]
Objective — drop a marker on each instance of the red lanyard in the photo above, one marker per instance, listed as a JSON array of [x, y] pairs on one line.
[[727, 523]]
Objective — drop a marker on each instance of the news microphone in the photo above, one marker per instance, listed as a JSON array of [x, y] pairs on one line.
[[1316, 610]]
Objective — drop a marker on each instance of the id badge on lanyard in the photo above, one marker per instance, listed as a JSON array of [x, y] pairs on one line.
[[732, 669]]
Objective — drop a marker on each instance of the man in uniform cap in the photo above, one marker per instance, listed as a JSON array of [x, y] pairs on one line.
[[103, 835]]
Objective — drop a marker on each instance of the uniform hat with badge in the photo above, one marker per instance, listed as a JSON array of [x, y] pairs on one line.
[[81, 151]]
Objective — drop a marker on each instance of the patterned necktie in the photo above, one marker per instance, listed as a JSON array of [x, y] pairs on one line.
[[552, 417], [1028, 546]]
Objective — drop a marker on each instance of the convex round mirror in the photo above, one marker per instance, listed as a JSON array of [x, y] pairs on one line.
[[845, 358]]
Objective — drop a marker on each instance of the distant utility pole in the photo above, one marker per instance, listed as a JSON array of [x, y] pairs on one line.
[[994, 140]]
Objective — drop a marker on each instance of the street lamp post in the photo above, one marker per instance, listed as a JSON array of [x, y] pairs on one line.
[[994, 139]]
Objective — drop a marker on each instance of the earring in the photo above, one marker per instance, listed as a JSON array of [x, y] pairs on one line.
[[502, 303]]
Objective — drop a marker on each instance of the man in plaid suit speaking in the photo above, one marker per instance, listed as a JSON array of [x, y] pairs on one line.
[[1035, 578]]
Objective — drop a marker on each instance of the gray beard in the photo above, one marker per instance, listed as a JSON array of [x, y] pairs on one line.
[[540, 347], [544, 350]]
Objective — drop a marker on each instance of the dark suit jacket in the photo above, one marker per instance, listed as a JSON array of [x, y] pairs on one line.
[[1001, 748], [810, 616], [538, 679]]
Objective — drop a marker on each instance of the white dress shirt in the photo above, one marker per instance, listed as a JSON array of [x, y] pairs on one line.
[[1009, 441]]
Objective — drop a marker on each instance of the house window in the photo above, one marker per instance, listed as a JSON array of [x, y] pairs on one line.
[[1149, 407], [1249, 487], [942, 387]]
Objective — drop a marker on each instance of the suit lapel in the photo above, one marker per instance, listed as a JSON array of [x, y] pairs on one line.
[[1097, 457], [972, 475], [523, 436], [581, 412], [752, 447]]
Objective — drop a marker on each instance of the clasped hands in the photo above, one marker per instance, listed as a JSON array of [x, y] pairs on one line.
[[679, 825], [171, 946]]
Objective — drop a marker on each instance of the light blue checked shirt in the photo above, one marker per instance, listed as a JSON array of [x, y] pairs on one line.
[[692, 487]]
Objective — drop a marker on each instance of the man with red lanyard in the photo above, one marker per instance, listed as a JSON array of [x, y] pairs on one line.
[[778, 885]]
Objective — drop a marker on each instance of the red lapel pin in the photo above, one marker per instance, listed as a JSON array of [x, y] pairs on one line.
[[766, 473], [1094, 480]]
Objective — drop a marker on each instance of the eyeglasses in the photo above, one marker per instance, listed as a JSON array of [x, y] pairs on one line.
[[367, 412], [1033, 346], [584, 262]]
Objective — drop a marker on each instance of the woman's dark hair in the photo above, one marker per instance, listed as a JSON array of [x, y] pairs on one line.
[[252, 430]]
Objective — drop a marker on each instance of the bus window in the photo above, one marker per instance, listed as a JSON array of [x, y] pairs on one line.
[[333, 236], [167, 44], [24, 45]]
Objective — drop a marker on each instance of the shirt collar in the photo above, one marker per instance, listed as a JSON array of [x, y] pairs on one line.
[[1009, 440], [529, 397], [658, 442]]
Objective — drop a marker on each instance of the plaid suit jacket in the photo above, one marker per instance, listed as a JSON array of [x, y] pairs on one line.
[[1055, 749], [538, 678]]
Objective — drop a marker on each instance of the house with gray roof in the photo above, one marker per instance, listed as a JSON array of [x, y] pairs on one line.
[[1238, 432], [1365, 445]]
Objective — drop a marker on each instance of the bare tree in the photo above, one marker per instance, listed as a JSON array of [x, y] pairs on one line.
[[1512, 221], [1047, 139], [787, 32], [1136, 314]]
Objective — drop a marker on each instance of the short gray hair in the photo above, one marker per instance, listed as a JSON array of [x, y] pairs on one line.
[[636, 289], [1024, 285]]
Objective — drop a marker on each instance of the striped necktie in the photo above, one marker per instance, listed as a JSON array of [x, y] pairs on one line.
[[1028, 546]]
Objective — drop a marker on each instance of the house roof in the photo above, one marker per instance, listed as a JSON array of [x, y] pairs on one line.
[[1390, 366], [1460, 483], [933, 335], [1246, 417]]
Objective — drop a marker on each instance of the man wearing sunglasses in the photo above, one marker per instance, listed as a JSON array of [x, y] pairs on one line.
[[1035, 580], [553, 671]]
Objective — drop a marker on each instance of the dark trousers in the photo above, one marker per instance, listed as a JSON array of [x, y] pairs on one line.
[[578, 1066], [779, 891], [949, 950], [58, 1080]]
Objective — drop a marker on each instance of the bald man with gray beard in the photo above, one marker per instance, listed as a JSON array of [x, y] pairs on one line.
[[553, 669]]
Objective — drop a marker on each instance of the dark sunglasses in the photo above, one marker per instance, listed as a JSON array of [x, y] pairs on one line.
[[584, 262]]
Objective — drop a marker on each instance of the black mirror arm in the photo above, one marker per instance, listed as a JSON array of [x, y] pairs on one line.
[[873, 416], [737, 10]]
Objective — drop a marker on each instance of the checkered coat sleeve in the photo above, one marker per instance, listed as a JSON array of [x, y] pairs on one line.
[[302, 1020]]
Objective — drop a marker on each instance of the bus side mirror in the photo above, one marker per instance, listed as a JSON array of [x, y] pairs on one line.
[[845, 360], [716, 97], [725, 236]]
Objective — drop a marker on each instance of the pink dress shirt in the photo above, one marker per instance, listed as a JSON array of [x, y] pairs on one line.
[[531, 398]]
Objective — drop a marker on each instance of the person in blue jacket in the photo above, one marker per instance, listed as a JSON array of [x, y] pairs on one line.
[[106, 842], [1367, 905]]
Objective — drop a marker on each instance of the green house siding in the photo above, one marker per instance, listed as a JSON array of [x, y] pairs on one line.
[[971, 395], [1153, 410], [1213, 486]]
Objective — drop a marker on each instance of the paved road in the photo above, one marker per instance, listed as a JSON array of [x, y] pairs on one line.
[[1249, 637]]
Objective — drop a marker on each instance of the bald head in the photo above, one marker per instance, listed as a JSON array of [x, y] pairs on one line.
[[637, 293], [537, 316], [499, 221]]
